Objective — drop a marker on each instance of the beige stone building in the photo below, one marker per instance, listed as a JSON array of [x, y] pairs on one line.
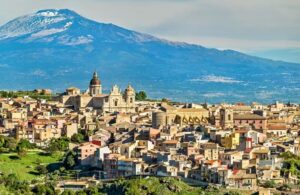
[[210, 151], [169, 115], [115, 101]]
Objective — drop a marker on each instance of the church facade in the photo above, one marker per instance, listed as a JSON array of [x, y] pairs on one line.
[[115, 101]]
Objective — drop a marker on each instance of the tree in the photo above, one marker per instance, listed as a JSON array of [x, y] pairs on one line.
[[59, 144], [21, 151], [141, 95], [69, 161], [47, 189], [10, 143], [11, 180], [41, 169], [24, 143], [68, 192], [2, 141], [77, 138], [92, 190], [14, 185]]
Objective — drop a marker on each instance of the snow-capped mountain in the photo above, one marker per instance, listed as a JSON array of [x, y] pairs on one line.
[[59, 48], [66, 27]]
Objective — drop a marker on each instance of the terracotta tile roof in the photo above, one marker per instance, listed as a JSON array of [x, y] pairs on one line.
[[277, 127], [170, 142], [241, 108]]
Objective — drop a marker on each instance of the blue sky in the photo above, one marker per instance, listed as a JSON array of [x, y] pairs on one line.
[[267, 28]]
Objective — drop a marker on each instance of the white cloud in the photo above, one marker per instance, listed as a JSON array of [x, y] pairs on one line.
[[266, 94], [39, 73], [213, 95], [65, 40], [216, 79], [44, 33]]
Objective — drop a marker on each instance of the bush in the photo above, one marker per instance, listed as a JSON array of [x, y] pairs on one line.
[[41, 169], [269, 184], [232, 193], [284, 187]]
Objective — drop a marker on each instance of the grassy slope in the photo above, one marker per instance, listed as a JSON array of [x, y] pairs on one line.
[[24, 167]]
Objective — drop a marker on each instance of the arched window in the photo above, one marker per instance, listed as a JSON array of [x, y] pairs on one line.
[[131, 100], [116, 102], [229, 117]]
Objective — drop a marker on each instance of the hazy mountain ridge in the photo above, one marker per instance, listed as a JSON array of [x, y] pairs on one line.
[[59, 48]]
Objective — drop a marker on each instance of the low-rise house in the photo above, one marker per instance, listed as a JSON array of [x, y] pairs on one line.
[[277, 130], [261, 153], [128, 149], [87, 154], [101, 151], [70, 129], [229, 157], [210, 151], [111, 165], [166, 170], [168, 144], [129, 167], [230, 141], [241, 179]]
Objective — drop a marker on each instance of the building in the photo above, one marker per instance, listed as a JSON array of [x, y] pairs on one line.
[[115, 101], [226, 118], [86, 154], [231, 141], [111, 165], [169, 115], [240, 179], [277, 130], [210, 151], [253, 120]]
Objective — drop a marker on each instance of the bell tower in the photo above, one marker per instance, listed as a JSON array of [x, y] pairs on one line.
[[130, 95], [226, 118]]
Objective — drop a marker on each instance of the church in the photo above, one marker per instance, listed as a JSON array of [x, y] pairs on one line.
[[115, 101]]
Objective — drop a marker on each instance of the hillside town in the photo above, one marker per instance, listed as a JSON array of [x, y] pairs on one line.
[[237, 146]]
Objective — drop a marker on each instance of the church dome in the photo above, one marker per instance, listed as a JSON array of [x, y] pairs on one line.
[[95, 80]]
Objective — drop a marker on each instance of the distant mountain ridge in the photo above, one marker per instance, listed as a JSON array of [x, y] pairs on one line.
[[59, 48]]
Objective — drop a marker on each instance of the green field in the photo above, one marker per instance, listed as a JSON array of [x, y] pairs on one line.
[[24, 167]]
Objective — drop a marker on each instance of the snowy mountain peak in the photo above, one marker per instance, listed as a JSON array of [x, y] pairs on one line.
[[57, 12], [66, 27], [43, 22]]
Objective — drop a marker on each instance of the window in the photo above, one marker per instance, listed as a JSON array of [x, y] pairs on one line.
[[131, 100], [229, 117], [116, 102]]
